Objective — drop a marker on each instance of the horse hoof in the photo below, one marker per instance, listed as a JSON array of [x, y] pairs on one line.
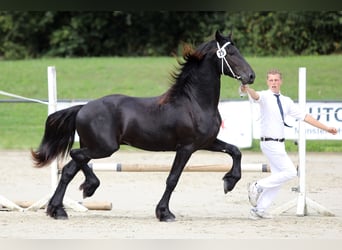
[[89, 188], [58, 217], [225, 186], [228, 184], [57, 213], [165, 215], [170, 218]]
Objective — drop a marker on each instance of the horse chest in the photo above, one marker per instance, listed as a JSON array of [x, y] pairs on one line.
[[206, 124]]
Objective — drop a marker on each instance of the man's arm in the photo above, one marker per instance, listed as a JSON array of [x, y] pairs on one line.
[[312, 121], [251, 92]]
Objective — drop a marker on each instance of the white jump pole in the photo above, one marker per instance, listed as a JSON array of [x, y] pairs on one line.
[[302, 201], [52, 108], [9, 205]]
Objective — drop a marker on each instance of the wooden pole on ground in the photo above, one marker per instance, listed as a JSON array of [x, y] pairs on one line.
[[91, 205], [118, 167]]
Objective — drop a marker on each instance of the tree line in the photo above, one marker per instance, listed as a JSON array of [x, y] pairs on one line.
[[162, 33]]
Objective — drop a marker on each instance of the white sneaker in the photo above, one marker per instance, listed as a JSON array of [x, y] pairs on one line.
[[253, 193], [257, 215]]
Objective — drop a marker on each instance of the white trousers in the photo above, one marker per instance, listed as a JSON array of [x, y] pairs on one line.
[[282, 170]]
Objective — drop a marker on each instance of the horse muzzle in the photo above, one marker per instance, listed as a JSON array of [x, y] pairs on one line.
[[247, 79]]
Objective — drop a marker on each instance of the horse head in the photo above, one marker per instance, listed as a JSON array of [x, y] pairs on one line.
[[232, 62]]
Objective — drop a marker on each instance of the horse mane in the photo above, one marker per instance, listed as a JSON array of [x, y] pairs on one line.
[[183, 74]]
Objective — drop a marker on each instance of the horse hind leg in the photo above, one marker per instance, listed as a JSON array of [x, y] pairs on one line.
[[98, 139], [91, 182], [79, 161], [55, 207]]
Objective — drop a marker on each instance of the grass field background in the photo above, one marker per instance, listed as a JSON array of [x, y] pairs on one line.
[[22, 124]]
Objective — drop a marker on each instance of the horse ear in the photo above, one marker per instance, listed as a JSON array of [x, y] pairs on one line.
[[218, 36], [231, 33]]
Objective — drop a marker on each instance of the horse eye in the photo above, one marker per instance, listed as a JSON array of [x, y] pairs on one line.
[[230, 50]]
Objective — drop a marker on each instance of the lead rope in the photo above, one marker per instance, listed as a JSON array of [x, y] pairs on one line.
[[221, 53]]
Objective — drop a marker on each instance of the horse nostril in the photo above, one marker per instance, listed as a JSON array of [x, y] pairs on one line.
[[252, 77]]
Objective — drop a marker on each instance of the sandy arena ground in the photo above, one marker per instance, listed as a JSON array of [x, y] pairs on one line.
[[203, 210]]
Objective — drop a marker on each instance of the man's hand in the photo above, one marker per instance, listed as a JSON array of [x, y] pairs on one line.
[[252, 93], [332, 130], [242, 90]]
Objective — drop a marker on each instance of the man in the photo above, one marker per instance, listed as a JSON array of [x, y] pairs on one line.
[[273, 108]]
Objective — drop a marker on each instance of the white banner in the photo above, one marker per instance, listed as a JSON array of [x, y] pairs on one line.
[[236, 127]]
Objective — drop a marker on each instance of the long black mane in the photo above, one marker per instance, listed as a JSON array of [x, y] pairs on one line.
[[186, 69]]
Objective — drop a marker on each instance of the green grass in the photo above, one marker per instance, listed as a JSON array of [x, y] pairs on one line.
[[22, 125]]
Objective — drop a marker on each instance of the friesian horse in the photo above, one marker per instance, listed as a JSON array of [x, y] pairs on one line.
[[184, 119]]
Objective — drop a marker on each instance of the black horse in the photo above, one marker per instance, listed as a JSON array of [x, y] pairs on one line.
[[184, 119]]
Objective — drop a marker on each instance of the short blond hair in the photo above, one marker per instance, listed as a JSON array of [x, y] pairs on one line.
[[274, 72]]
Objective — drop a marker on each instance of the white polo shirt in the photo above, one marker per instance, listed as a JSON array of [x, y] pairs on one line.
[[271, 123]]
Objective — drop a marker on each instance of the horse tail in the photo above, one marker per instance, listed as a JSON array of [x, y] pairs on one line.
[[58, 137]]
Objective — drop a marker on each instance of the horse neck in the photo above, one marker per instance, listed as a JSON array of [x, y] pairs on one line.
[[206, 85]]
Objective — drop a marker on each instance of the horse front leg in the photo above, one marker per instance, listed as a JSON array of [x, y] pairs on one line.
[[163, 212], [55, 206], [234, 174]]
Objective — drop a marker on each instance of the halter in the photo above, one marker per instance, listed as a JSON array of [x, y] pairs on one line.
[[221, 53]]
